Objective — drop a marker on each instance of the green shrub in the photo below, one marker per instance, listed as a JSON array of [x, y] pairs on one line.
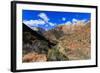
[[55, 55]]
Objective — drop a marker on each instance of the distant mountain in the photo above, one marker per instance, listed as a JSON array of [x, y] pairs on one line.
[[53, 35], [38, 29], [67, 29], [71, 27]]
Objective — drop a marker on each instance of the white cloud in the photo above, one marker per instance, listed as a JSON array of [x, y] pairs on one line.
[[34, 22], [68, 23], [51, 24], [84, 20], [74, 20], [44, 17], [63, 18]]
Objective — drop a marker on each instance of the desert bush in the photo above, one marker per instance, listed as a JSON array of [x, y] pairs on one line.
[[38, 46], [55, 55]]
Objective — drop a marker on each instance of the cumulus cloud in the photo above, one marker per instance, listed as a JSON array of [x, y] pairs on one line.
[[34, 22], [44, 17], [74, 20], [84, 20], [63, 18], [68, 23], [51, 24]]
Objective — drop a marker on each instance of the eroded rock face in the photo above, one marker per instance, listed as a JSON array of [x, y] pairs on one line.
[[34, 57], [55, 34]]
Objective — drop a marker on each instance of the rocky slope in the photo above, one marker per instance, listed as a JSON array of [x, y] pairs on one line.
[[65, 42]]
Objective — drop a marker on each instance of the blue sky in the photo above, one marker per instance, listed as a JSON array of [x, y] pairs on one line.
[[50, 19]]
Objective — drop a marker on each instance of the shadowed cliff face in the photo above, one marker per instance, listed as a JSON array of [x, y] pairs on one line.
[[33, 41], [62, 43]]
